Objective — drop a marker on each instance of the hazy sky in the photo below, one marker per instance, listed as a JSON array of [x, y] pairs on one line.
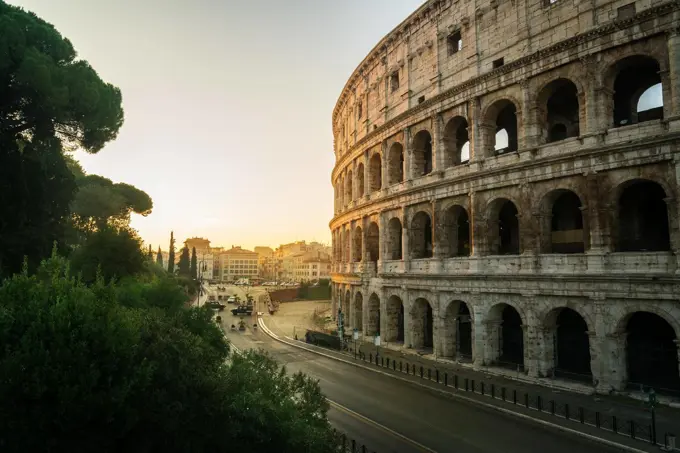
[[228, 106]]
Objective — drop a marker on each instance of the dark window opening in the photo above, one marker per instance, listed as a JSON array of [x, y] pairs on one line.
[[498, 63], [511, 340], [456, 232], [395, 320], [464, 332], [421, 99], [454, 42], [360, 110], [394, 247], [373, 242], [567, 224], [643, 218], [508, 230], [456, 142], [395, 164], [625, 12], [506, 129], [572, 349], [394, 82], [421, 242], [652, 355], [422, 154], [634, 102], [562, 110]]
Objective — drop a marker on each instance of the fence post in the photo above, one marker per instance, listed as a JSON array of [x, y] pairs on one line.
[[436, 375], [421, 371], [394, 365], [615, 426], [466, 384], [401, 368], [632, 429], [493, 391], [481, 384], [370, 357], [446, 379], [597, 419], [455, 381], [503, 393], [429, 374], [526, 400], [581, 415], [539, 403], [363, 449], [472, 385], [388, 362], [407, 368], [552, 407], [514, 397], [566, 411], [354, 445]]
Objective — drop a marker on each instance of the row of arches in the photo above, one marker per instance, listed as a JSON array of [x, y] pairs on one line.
[[641, 223], [500, 337], [559, 109]]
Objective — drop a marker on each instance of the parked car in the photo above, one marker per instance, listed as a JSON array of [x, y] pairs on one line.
[[215, 305]]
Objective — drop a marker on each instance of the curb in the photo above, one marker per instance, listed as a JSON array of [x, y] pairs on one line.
[[564, 429]]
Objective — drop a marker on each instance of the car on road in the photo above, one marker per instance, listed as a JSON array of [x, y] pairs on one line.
[[215, 305], [242, 310]]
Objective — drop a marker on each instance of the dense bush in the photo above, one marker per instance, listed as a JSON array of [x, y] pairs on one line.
[[111, 367]]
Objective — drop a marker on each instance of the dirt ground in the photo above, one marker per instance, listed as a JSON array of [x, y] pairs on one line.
[[296, 317]]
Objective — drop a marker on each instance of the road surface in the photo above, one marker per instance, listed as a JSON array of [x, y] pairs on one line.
[[389, 415]]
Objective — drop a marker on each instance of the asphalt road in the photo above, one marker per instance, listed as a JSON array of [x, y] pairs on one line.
[[426, 421]]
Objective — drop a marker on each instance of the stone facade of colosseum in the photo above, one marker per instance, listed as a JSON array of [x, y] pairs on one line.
[[507, 189]]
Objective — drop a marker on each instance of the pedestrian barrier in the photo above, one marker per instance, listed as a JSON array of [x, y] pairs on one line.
[[634, 429], [347, 445]]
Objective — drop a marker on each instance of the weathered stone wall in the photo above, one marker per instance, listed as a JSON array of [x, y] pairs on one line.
[[566, 95]]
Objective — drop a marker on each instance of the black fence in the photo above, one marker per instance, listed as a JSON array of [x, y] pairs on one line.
[[638, 430], [347, 445]]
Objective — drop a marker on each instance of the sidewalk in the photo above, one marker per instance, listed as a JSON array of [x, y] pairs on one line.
[[575, 411]]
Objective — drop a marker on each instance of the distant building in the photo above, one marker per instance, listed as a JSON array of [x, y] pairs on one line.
[[237, 263], [312, 269]]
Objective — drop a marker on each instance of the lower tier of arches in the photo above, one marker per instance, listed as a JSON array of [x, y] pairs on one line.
[[611, 344]]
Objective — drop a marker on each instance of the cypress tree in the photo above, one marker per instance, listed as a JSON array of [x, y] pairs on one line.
[[184, 264], [171, 254], [194, 263], [159, 257]]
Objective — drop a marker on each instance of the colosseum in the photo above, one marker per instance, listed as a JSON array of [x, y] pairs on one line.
[[507, 189]]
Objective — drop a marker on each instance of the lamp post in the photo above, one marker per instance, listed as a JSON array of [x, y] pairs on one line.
[[202, 266]]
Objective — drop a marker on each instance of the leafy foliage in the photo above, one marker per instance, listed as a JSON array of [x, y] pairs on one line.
[[184, 264], [110, 368], [194, 264], [46, 92], [113, 253], [49, 101], [159, 257]]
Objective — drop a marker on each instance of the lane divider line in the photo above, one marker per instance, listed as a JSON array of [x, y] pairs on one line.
[[565, 429], [375, 424]]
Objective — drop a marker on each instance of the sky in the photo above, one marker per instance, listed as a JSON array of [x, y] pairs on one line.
[[228, 106]]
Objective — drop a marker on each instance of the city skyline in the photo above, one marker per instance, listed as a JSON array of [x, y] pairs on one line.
[[227, 112]]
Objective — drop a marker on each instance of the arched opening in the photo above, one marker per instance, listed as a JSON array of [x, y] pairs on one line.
[[570, 344], [563, 226], [373, 242], [455, 138], [634, 76], [422, 329], [358, 321], [456, 232], [395, 164], [652, 352], [504, 228], [360, 181], [559, 109], [395, 320], [347, 300], [394, 247], [343, 198], [373, 325], [357, 245], [643, 218], [421, 236], [375, 173], [502, 115], [506, 336], [348, 186], [422, 154], [458, 331]]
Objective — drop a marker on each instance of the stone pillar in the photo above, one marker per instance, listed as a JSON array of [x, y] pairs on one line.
[[474, 132], [406, 299], [617, 372], [367, 184], [671, 90], [491, 346], [383, 165], [438, 143], [533, 343], [364, 235], [592, 82], [532, 130], [596, 344], [673, 208], [408, 153]]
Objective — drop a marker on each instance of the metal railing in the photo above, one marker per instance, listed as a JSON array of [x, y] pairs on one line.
[[634, 429], [348, 445]]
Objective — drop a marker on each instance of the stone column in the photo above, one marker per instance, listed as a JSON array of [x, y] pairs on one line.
[[491, 346], [437, 325], [406, 300], [408, 153], [533, 342], [674, 216], [367, 184], [673, 80], [596, 344], [438, 143], [364, 235], [532, 130], [383, 165], [474, 133], [592, 86], [617, 372]]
